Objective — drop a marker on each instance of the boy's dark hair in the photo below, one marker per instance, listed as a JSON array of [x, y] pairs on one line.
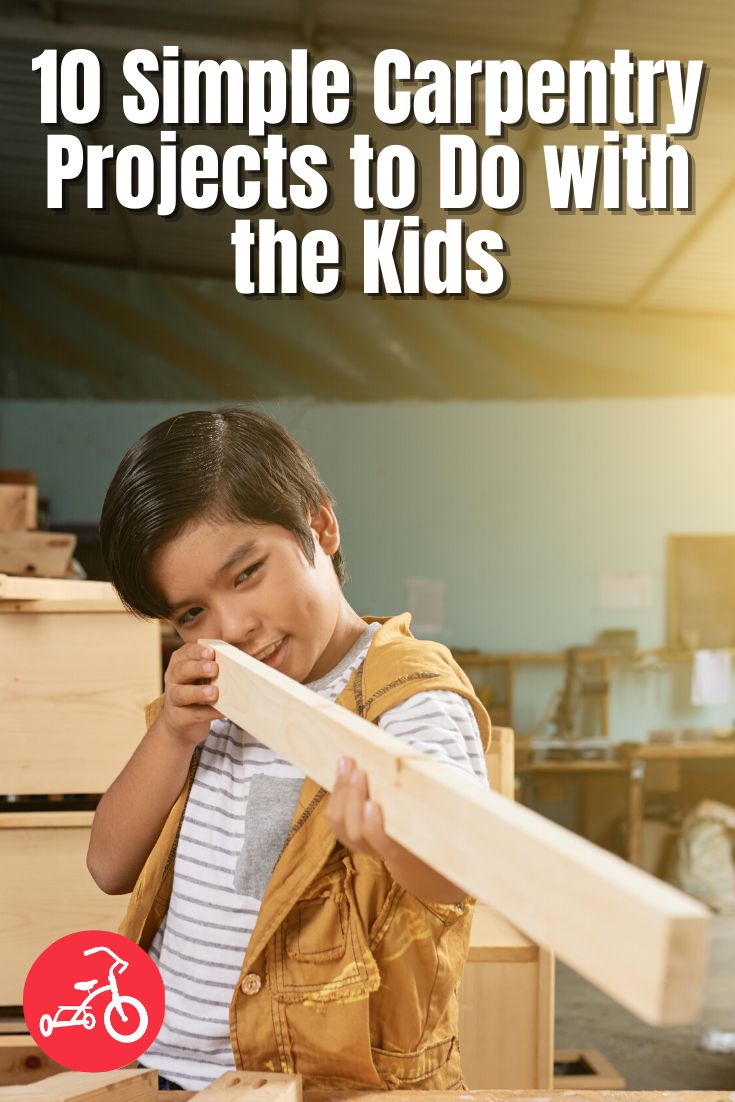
[[229, 464]]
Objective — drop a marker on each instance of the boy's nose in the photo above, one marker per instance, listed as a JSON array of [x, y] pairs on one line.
[[235, 630]]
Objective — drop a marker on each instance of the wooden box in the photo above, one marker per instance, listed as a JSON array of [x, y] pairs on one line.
[[506, 1022], [506, 998], [76, 674], [47, 890]]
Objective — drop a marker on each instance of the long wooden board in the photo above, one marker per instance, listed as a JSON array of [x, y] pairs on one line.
[[138, 1085], [639, 940], [510, 1096], [55, 589]]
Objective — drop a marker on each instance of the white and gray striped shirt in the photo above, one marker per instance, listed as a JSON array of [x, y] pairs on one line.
[[235, 823]]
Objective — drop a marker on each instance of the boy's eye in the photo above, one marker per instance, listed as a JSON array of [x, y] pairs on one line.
[[189, 616], [248, 573]]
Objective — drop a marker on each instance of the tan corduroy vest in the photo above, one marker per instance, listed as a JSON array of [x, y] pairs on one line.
[[347, 979]]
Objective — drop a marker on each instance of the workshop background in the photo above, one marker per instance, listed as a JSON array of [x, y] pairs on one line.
[[520, 472]]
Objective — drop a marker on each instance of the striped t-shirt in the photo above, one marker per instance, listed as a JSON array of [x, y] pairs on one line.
[[235, 824]]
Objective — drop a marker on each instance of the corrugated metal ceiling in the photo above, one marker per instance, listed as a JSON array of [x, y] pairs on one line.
[[633, 265]]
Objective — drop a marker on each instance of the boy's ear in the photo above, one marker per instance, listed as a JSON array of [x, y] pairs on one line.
[[324, 524]]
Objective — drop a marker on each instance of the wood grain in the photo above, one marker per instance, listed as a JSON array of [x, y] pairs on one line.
[[59, 589], [47, 890], [73, 689], [39, 554], [140, 1085]]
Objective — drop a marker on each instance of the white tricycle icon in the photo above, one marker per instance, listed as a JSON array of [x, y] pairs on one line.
[[83, 1016]]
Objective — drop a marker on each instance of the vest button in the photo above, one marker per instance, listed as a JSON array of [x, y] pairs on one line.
[[251, 984]]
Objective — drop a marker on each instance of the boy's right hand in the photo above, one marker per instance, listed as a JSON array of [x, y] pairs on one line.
[[187, 709]]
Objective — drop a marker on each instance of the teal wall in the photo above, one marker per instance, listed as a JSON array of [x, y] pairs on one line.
[[519, 507]]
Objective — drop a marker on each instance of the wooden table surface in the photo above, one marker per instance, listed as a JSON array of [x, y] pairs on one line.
[[498, 1096]]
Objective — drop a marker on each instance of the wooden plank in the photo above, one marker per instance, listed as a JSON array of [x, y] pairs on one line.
[[498, 1025], [541, 767], [22, 1061], [680, 751], [107, 604], [73, 689], [240, 1086], [55, 589], [500, 761], [506, 990], [38, 554], [545, 1020], [493, 938], [509, 1096], [17, 477], [45, 820], [639, 940], [139, 1085]]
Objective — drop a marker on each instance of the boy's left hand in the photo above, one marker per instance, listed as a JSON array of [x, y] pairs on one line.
[[355, 820]]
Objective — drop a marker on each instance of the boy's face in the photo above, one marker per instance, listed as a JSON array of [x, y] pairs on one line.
[[252, 586]]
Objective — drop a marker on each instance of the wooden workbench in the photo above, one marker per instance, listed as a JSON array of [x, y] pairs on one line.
[[500, 1096], [639, 760], [610, 790]]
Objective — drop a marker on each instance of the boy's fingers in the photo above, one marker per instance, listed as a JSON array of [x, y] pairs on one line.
[[374, 829], [356, 794], [345, 769], [335, 809], [194, 670], [183, 696], [192, 652]]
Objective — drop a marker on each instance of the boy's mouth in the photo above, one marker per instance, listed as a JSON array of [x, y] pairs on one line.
[[272, 654]]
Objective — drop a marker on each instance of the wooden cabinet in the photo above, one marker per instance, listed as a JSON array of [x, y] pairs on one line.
[[76, 672], [506, 1024], [47, 891], [506, 998]]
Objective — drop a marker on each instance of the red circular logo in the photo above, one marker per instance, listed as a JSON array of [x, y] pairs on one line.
[[94, 1001]]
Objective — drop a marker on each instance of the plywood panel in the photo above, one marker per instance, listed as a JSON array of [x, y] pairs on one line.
[[47, 891], [73, 688], [499, 1025]]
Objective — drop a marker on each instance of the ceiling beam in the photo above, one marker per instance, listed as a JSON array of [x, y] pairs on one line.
[[570, 48], [102, 36], [210, 271], [697, 227], [308, 21]]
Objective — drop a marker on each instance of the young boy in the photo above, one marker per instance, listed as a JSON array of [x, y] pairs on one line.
[[292, 934]]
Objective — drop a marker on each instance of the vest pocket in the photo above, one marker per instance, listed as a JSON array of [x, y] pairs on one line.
[[320, 953], [433, 1067], [317, 930]]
